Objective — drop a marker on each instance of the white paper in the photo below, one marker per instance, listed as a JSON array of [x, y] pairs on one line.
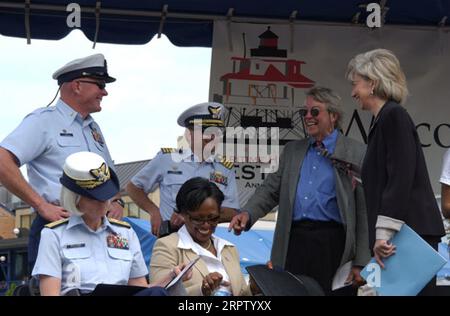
[[182, 273], [341, 275]]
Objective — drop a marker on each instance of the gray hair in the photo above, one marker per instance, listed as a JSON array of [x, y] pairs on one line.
[[69, 201], [331, 99], [383, 68]]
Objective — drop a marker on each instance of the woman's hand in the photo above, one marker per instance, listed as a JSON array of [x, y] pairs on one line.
[[211, 282], [177, 270], [172, 274], [383, 249]]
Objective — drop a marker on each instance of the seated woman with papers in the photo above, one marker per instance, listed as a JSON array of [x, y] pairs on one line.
[[78, 253], [218, 271]]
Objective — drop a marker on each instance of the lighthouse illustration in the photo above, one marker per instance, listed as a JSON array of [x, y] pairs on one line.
[[260, 90]]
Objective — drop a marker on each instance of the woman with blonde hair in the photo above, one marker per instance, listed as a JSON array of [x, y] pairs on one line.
[[395, 178], [78, 253]]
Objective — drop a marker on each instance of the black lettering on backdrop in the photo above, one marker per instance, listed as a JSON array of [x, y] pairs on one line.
[[248, 172], [437, 134], [357, 119], [428, 126]]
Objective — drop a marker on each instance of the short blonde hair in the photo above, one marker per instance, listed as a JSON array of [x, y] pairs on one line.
[[69, 200], [383, 68]]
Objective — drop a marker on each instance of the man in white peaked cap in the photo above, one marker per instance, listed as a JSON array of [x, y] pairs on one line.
[[172, 167], [47, 136]]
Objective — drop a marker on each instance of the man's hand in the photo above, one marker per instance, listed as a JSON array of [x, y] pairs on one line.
[[383, 249], [156, 221], [227, 214], [239, 222], [51, 212], [115, 210], [176, 221], [354, 277]]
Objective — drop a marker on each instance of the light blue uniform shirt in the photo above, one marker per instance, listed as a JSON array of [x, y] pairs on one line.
[[316, 188], [170, 174], [82, 258], [45, 138]]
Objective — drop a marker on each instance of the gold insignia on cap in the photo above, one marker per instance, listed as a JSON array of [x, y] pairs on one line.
[[215, 111], [205, 122], [101, 175]]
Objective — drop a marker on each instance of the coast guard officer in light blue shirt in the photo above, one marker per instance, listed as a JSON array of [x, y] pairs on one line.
[[172, 167], [48, 135], [86, 249]]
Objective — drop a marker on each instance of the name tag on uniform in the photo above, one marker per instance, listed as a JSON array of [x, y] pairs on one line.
[[80, 245], [117, 241], [218, 177], [65, 133], [174, 172]]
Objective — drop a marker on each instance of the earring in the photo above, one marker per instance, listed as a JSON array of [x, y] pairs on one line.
[[371, 92]]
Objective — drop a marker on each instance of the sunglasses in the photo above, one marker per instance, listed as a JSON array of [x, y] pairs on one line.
[[315, 111], [200, 221], [100, 84]]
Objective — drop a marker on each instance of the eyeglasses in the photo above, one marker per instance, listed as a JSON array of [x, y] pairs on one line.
[[100, 84], [200, 221], [315, 111]]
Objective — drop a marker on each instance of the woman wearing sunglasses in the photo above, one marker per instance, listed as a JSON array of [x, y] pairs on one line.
[[218, 270], [394, 174]]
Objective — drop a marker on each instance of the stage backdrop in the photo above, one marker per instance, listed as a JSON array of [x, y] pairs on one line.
[[261, 71]]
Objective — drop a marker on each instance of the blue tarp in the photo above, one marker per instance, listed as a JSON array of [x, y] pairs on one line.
[[147, 239], [254, 246]]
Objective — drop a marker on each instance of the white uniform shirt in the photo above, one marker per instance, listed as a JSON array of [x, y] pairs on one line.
[[82, 258], [445, 174], [170, 170], [213, 263], [46, 137]]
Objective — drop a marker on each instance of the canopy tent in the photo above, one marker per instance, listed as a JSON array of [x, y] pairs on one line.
[[190, 22]]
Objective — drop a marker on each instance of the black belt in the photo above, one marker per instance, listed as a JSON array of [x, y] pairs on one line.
[[310, 224]]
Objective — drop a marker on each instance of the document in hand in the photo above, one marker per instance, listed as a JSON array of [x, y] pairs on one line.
[[175, 286], [406, 272]]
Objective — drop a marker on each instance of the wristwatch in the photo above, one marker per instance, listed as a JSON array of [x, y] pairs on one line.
[[120, 202]]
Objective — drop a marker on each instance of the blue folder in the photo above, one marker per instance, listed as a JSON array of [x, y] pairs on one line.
[[406, 272]]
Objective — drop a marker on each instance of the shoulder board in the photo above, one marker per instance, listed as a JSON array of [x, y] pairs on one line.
[[119, 223], [168, 150], [57, 223], [227, 164]]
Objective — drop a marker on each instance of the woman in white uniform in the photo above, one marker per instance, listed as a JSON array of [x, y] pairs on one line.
[[86, 249]]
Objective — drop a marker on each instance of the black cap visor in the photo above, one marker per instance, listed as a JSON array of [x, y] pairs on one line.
[[103, 192], [93, 72]]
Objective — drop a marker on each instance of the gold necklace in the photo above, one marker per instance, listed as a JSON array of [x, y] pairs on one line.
[[209, 245]]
